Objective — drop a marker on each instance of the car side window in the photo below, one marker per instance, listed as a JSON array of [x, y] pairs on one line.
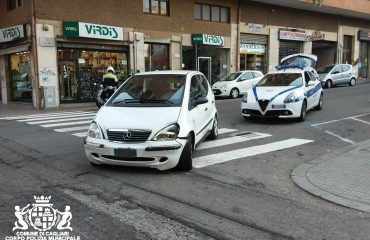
[[257, 74], [196, 90], [312, 76], [345, 68], [337, 69], [246, 76], [204, 84], [307, 77]]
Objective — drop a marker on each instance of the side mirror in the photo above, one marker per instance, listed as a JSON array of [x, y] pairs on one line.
[[311, 83], [201, 100]]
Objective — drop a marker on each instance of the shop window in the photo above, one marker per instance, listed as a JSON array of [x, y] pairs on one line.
[[20, 78], [13, 4], [289, 47], [81, 72], [156, 57], [156, 7], [211, 13], [347, 49]]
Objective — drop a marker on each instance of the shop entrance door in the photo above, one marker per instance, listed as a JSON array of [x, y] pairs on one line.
[[68, 80], [204, 66]]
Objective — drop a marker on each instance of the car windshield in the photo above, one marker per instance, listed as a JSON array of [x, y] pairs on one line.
[[325, 69], [281, 79], [149, 90], [231, 77]]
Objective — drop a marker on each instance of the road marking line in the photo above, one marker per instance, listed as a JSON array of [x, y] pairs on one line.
[[341, 138], [58, 117], [71, 129], [81, 134], [231, 140], [360, 120], [226, 130], [65, 124], [247, 152], [341, 119], [41, 115], [61, 120]]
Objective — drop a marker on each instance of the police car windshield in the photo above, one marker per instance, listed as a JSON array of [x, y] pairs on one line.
[[148, 90], [281, 80]]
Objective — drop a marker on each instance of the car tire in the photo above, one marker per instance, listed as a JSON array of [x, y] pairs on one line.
[[321, 102], [302, 117], [329, 84], [214, 132], [352, 82], [234, 93], [186, 162]]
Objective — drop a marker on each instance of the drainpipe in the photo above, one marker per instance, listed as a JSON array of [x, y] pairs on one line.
[[39, 92]]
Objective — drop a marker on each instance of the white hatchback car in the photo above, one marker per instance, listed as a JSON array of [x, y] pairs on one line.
[[336, 74], [287, 93], [155, 119], [236, 83]]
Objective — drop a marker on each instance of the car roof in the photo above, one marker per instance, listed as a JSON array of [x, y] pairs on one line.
[[168, 72]]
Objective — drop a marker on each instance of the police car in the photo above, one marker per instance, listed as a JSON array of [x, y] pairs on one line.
[[289, 92]]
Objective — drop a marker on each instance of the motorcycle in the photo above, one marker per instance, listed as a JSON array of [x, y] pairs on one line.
[[103, 94]]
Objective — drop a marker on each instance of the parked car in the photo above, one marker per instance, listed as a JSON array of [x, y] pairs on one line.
[[154, 119], [236, 83], [335, 74], [287, 93]]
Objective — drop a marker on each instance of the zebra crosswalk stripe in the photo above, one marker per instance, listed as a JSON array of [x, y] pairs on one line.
[[217, 158], [71, 129], [64, 124], [60, 120], [42, 115], [56, 117]]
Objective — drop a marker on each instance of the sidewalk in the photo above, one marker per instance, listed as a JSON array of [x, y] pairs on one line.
[[16, 109], [342, 177]]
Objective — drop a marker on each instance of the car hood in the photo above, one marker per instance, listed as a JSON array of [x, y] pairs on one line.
[[151, 118], [221, 83], [267, 93]]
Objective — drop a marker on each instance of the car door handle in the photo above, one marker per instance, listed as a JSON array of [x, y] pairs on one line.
[[205, 109]]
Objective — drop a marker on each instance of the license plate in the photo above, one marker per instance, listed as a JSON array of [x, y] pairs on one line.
[[125, 152], [278, 106]]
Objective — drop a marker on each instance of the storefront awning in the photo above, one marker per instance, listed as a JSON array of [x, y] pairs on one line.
[[15, 49]]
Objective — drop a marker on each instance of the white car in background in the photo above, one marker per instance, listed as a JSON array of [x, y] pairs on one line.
[[236, 83], [154, 119], [287, 93]]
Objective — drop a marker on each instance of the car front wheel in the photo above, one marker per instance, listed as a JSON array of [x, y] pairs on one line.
[[186, 162], [352, 82], [214, 132], [302, 117], [329, 84], [321, 102], [234, 93]]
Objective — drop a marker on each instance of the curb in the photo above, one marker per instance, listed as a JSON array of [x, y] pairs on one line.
[[299, 177]]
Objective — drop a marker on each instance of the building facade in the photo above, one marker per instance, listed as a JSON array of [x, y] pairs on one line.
[[55, 52]]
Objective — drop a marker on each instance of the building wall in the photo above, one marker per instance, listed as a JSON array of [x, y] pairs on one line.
[[16, 16]]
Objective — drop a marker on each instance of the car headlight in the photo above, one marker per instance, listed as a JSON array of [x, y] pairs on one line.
[[245, 98], [94, 131], [168, 133], [290, 98]]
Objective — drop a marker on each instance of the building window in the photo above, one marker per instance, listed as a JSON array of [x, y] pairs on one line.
[[156, 56], [13, 4], [156, 7], [211, 13]]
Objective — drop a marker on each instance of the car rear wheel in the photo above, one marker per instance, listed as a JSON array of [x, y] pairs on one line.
[[234, 93], [352, 82], [303, 112], [329, 84], [321, 102], [186, 162], [214, 132]]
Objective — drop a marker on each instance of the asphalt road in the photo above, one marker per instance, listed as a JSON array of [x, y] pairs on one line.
[[251, 196]]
